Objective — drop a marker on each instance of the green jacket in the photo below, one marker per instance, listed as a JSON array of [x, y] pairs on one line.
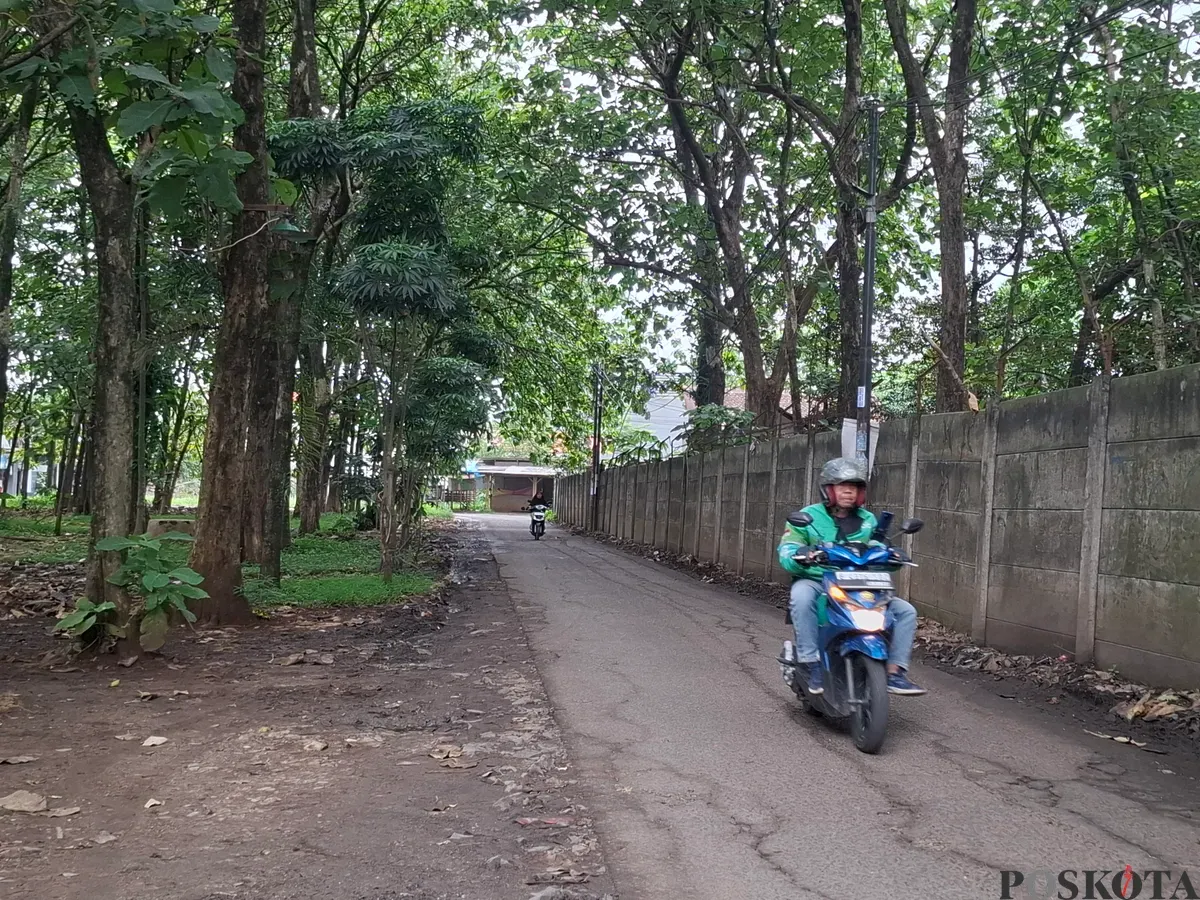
[[823, 530]]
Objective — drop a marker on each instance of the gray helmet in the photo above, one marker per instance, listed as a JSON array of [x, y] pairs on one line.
[[843, 470]]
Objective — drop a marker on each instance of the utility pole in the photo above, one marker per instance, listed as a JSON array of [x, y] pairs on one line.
[[597, 415], [863, 436]]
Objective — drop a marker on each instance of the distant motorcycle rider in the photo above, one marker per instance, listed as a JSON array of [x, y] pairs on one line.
[[839, 518]]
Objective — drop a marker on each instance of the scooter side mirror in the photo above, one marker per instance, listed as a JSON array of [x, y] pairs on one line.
[[912, 526], [800, 519]]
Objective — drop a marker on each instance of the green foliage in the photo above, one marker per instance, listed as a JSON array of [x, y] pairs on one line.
[[87, 618], [636, 445], [150, 574], [712, 427]]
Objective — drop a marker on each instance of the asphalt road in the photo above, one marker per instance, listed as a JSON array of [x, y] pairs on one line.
[[708, 782]]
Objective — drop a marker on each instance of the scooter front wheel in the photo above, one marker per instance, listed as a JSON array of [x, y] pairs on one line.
[[868, 722]]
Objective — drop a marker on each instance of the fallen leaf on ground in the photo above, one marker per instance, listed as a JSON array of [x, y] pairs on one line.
[[23, 801], [151, 803], [554, 823], [559, 875], [370, 740], [292, 660], [116, 682], [147, 695], [62, 812], [459, 764], [127, 662], [441, 807], [446, 751], [154, 741], [16, 760], [316, 745], [126, 737], [459, 836], [104, 838], [180, 694]]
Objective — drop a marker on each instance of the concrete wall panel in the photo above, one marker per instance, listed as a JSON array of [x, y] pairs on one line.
[[1157, 474], [1046, 422], [1038, 539], [1155, 406], [1051, 479], [1159, 545]]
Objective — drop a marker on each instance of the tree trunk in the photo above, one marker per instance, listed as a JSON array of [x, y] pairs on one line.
[[10, 220], [109, 467], [18, 426], [82, 479], [952, 335], [945, 140], [387, 472], [316, 406], [258, 513], [142, 280], [66, 476], [245, 284], [1130, 184], [278, 525], [25, 450], [710, 367]]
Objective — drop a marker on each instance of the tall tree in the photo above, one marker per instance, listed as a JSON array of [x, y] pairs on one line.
[[217, 553], [945, 138]]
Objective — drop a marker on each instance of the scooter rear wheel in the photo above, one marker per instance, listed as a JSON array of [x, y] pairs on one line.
[[868, 722]]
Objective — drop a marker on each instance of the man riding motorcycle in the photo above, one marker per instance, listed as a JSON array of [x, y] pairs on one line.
[[840, 517]]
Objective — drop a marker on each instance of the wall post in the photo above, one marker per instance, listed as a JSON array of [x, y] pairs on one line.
[[1093, 520]]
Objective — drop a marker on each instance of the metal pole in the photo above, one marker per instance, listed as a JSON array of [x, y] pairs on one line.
[[863, 436], [597, 406]]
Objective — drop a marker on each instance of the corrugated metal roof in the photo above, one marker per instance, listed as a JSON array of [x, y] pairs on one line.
[[526, 469]]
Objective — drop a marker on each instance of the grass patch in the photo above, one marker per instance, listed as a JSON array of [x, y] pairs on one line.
[[314, 554], [31, 540], [17, 525], [438, 511], [332, 591]]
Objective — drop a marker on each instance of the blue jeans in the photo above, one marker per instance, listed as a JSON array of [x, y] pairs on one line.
[[804, 619]]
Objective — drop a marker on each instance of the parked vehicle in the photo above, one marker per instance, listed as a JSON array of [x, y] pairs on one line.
[[854, 630]]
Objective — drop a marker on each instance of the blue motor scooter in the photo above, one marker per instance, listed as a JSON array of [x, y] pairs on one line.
[[855, 630]]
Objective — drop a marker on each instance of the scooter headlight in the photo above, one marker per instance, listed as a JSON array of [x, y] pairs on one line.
[[867, 619]]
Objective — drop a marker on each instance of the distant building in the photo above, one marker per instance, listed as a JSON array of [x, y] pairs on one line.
[[667, 411], [510, 483]]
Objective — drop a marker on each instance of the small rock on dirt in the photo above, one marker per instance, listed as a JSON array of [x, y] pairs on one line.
[[62, 812], [23, 801]]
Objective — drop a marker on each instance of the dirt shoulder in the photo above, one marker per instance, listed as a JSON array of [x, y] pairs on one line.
[[371, 754], [1107, 706]]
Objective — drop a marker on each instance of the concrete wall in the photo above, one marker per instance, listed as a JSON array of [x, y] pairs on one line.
[[1059, 524]]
